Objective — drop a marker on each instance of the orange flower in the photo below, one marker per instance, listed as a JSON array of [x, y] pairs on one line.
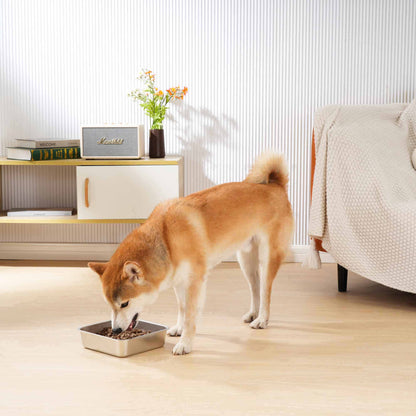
[[185, 90], [170, 92]]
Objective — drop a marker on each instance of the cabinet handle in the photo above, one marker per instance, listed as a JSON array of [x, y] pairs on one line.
[[86, 183]]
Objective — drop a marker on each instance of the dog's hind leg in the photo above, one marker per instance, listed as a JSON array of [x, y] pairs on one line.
[[249, 263], [270, 258], [180, 292], [194, 299]]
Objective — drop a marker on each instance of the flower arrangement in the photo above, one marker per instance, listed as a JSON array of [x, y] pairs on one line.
[[155, 101]]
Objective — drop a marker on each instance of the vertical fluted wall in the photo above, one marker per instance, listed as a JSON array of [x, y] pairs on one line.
[[256, 71]]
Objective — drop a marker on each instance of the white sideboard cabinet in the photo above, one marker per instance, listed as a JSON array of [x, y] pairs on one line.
[[112, 191]]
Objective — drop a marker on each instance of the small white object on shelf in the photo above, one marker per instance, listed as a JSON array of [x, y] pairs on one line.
[[40, 212]]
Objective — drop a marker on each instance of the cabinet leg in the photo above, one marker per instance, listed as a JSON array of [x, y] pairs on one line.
[[342, 278]]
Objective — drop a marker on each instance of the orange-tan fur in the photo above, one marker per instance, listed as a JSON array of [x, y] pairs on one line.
[[184, 238]]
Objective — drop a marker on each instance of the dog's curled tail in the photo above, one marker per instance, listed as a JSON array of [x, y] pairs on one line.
[[269, 168]]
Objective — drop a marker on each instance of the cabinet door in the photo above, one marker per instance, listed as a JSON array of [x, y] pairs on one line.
[[124, 192]]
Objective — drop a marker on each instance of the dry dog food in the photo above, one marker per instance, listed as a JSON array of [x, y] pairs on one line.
[[108, 332]]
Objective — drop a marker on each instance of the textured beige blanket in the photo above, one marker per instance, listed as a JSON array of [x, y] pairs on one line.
[[364, 194]]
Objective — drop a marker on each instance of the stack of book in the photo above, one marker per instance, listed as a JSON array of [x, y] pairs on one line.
[[44, 149]]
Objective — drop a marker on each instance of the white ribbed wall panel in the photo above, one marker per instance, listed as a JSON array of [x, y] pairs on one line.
[[256, 72], [39, 187]]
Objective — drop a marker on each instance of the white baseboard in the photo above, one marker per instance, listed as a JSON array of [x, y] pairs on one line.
[[102, 252], [58, 251], [298, 253]]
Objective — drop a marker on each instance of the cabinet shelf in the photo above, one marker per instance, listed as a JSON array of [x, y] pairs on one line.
[[69, 219], [169, 160]]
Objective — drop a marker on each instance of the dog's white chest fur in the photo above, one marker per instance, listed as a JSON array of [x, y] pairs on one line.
[[176, 277]]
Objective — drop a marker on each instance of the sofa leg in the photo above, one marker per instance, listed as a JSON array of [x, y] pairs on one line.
[[342, 278]]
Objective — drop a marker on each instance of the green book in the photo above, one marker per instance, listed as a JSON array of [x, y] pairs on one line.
[[20, 153]]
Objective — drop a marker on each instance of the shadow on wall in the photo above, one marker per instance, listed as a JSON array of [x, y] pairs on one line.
[[202, 137]]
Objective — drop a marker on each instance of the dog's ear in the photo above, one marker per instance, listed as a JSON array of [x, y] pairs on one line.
[[99, 268], [134, 273]]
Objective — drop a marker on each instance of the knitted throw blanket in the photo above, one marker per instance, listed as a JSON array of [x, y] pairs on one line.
[[364, 194]]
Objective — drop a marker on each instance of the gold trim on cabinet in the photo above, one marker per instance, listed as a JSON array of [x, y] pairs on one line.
[[169, 160]]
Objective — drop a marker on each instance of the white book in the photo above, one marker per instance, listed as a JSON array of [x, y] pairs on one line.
[[46, 143], [39, 212]]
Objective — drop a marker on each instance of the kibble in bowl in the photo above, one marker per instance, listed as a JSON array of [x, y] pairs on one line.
[[108, 332]]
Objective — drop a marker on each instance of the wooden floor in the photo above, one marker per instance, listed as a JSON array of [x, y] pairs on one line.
[[324, 353]]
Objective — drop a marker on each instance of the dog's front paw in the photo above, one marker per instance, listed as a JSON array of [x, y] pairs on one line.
[[181, 348], [259, 323], [249, 316], [175, 331]]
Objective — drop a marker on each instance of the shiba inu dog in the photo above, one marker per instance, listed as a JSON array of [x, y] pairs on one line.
[[186, 237]]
